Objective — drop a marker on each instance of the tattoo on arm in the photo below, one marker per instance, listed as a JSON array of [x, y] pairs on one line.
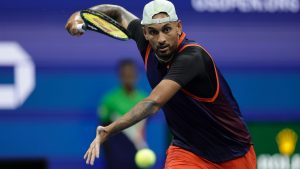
[[117, 13], [110, 10], [140, 111]]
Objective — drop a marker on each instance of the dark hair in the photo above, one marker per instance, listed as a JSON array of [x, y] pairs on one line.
[[126, 62]]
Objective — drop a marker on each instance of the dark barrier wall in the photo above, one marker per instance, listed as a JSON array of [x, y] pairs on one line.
[[51, 83]]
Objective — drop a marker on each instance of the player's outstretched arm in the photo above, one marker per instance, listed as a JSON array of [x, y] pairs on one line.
[[149, 106], [118, 13]]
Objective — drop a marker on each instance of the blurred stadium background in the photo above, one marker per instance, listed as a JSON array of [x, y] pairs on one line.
[[51, 83]]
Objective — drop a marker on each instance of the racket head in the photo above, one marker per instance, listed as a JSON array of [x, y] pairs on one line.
[[99, 22]]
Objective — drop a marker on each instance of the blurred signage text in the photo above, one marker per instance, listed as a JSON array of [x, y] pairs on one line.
[[14, 95], [245, 6]]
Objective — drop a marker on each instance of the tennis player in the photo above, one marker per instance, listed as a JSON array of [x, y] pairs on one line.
[[201, 111]]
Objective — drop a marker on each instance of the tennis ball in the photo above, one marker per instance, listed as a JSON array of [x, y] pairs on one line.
[[145, 158]]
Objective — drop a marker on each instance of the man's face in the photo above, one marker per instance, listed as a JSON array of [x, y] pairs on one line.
[[128, 75], [163, 37]]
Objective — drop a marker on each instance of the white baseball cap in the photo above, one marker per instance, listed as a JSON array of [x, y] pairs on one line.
[[157, 6]]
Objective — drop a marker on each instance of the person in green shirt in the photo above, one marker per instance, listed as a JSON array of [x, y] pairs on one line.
[[121, 149]]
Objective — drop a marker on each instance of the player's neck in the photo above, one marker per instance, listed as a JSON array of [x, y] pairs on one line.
[[163, 60], [128, 89]]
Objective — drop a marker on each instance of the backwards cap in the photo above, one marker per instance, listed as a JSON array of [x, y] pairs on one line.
[[157, 6]]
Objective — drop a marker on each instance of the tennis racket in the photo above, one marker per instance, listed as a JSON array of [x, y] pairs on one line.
[[101, 23]]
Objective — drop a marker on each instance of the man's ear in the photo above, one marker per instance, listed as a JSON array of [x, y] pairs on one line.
[[145, 33], [179, 27]]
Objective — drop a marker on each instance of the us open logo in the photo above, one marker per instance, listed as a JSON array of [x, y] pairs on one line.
[[14, 95], [287, 159]]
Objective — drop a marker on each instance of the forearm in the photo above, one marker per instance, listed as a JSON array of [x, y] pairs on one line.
[[139, 112], [158, 97], [118, 13]]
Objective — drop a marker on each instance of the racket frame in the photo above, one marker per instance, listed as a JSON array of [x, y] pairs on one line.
[[90, 26]]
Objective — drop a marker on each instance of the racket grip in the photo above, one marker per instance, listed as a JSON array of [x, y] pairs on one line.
[[81, 27]]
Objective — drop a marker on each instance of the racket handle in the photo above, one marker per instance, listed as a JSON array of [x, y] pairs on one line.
[[81, 27]]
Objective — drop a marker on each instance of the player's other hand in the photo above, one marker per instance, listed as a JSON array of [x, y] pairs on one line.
[[94, 150], [72, 24]]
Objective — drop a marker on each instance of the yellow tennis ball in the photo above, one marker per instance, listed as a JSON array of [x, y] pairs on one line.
[[145, 158]]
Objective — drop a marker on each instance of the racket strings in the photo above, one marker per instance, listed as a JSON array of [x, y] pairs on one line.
[[104, 26]]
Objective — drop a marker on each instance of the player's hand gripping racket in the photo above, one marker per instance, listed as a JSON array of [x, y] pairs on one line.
[[99, 22]]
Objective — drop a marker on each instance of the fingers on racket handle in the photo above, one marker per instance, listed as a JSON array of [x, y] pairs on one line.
[[81, 27]]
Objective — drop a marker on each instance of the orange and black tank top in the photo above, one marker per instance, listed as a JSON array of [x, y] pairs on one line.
[[203, 116]]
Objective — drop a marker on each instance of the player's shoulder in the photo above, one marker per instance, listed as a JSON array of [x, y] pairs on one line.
[[193, 53], [135, 22], [192, 49], [189, 52], [134, 26]]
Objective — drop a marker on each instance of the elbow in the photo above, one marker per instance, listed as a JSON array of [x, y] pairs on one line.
[[151, 106], [155, 110]]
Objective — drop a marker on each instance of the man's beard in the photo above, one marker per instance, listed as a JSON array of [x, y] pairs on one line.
[[164, 57]]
